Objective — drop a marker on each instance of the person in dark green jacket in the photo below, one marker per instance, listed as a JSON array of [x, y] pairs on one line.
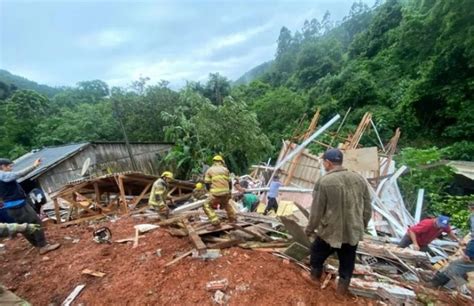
[[340, 212], [249, 200]]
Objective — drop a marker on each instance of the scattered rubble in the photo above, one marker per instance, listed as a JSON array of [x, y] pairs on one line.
[[259, 259]]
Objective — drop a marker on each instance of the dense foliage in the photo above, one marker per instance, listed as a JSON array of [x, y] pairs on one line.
[[410, 62]]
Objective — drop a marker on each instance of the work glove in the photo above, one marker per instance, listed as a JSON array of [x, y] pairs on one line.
[[32, 228]]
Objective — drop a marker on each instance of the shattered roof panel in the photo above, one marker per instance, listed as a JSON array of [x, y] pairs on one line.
[[464, 168], [49, 156]]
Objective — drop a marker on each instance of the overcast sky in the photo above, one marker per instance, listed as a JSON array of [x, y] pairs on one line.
[[61, 42]]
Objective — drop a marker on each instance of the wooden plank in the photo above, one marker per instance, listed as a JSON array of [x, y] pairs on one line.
[[68, 301], [195, 239], [179, 258], [85, 219], [93, 273], [359, 160], [172, 220], [122, 193], [223, 227], [70, 190], [177, 232], [56, 210], [296, 231], [86, 208], [142, 194], [225, 244], [261, 245], [302, 209], [255, 234], [137, 179]]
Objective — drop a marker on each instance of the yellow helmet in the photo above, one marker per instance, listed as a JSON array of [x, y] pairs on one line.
[[218, 158], [199, 186], [167, 174]]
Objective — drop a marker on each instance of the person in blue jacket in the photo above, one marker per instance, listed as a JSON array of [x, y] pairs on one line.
[[18, 206]]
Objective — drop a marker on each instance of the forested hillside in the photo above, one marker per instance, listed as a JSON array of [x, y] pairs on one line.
[[10, 82], [410, 63]]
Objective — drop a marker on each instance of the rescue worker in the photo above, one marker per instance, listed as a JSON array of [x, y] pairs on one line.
[[10, 229], [425, 231], [6, 230], [249, 200], [199, 192], [18, 206], [458, 268], [159, 194], [272, 203], [219, 185]]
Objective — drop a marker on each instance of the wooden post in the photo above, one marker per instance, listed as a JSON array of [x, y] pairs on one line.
[[97, 193], [195, 239], [122, 193], [56, 211]]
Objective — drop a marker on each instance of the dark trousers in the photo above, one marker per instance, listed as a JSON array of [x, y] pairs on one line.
[[321, 250], [26, 214], [271, 204], [406, 241]]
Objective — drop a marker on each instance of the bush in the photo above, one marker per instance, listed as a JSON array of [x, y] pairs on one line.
[[454, 206]]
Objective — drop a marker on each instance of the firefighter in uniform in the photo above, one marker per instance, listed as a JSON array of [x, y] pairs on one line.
[[159, 194], [199, 192], [218, 183]]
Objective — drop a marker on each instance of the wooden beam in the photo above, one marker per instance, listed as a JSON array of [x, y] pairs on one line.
[[303, 210], [70, 190], [140, 197], [77, 205], [250, 232], [179, 258], [122, 193], [137, 179], [195, 239], [226, 244], [85, 219]]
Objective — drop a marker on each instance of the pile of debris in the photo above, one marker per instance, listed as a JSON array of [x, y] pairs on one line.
[[159, 269], [383, 271]]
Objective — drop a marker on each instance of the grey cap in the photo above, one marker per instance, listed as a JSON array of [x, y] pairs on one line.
[[5, 162], [333, 155]]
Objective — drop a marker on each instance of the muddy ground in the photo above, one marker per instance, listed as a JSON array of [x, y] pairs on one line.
[[138, 276]]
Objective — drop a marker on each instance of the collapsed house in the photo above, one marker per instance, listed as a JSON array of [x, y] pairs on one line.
[[383, 271], [63, 164]]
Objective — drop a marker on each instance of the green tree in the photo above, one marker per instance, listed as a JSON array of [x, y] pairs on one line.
[[21, 115]]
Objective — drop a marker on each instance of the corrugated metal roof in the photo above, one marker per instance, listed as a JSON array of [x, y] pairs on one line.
[[464, 168], [49, 156]]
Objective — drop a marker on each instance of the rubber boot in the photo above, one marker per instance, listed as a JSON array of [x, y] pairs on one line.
[[316, 274], [164, 211], [439, 279], [343, 287]]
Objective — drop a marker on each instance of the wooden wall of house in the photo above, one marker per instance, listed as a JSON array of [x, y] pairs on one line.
[[105, 158]]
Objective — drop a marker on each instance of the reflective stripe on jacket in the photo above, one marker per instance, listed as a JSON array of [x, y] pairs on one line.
[[159, 192], [218, 177]]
